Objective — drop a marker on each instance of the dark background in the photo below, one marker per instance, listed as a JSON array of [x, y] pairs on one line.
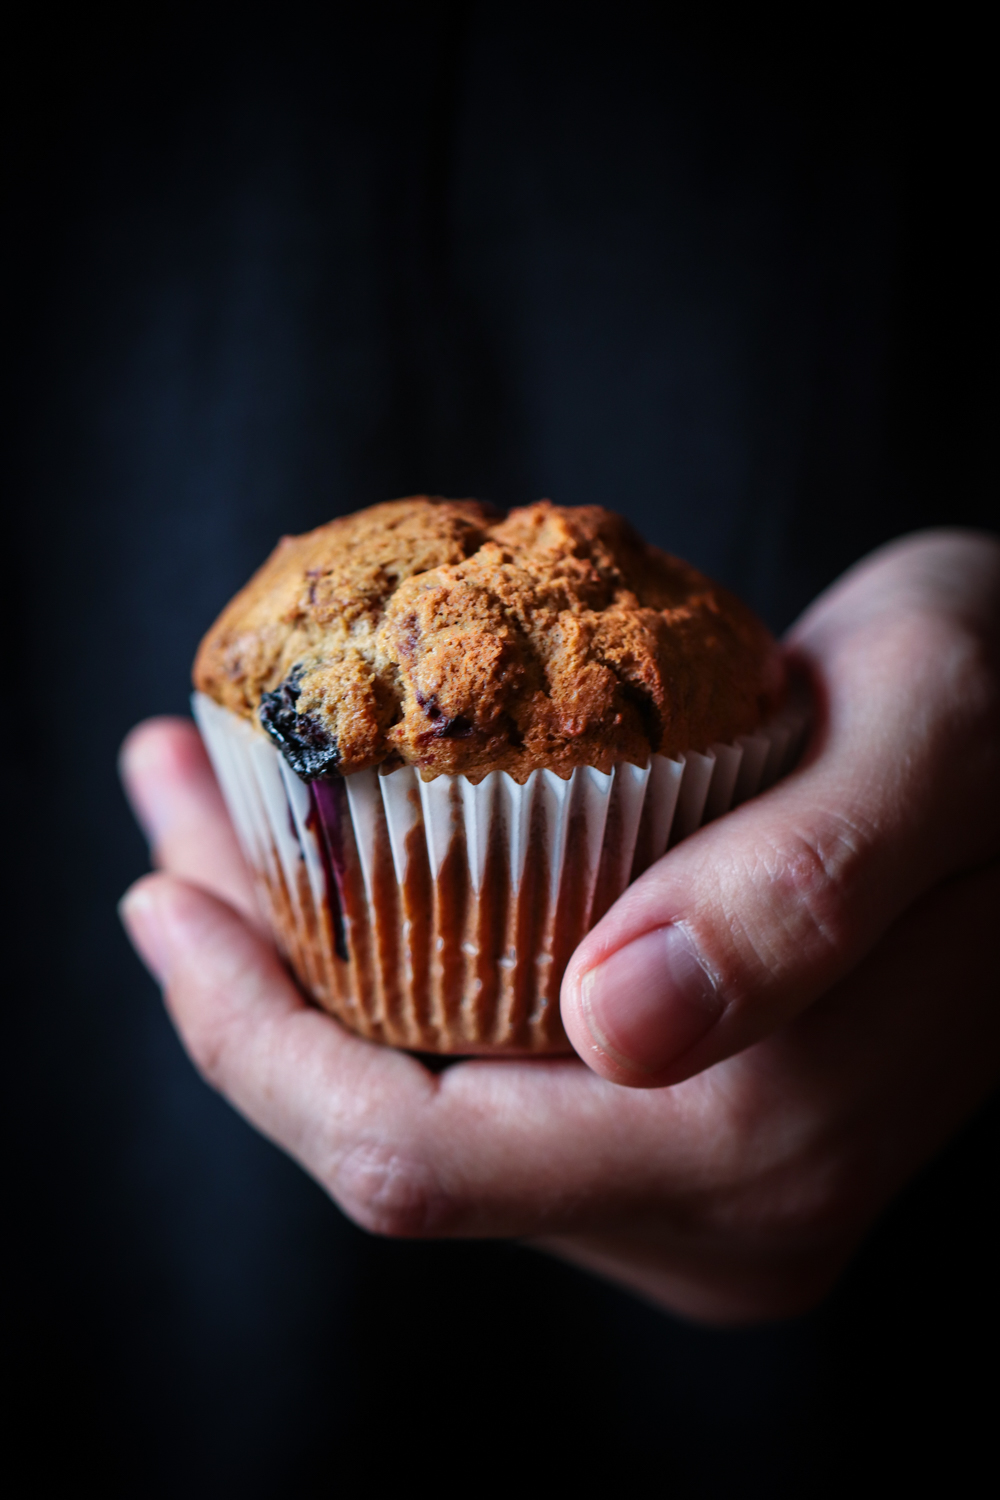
[[265, 266]]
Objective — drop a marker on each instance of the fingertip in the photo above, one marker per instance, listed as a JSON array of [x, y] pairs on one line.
[[635, 1014], [164, 743], [589, 1049], [161, 763], [185, 934], [169, 920], [140, 896], [140, 913]]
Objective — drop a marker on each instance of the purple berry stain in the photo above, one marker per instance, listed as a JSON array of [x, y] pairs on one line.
[[325, 820]]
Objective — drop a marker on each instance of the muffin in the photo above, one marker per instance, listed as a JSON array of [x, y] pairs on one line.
[[449, 739]]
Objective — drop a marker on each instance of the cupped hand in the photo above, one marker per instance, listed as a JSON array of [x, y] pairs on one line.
[[782, 1019]]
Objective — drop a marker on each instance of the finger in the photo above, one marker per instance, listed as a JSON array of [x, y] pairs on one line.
[[336, 1103], [770, 1162], [810, 1133], [173, 792], [745, 924], [484, 1148]]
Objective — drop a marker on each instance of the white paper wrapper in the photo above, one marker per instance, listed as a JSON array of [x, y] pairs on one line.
[[440, 915]]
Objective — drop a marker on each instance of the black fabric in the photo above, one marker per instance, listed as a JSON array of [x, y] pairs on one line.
[[267, 267]]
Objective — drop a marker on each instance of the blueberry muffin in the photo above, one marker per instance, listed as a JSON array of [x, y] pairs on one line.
[[448, 738]]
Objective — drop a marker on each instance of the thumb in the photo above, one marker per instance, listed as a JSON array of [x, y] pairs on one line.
[[742, 926]]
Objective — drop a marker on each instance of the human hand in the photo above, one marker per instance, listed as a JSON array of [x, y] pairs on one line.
[[812, 974]]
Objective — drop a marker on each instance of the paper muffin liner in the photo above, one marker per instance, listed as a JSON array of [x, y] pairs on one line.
[[441, 915]]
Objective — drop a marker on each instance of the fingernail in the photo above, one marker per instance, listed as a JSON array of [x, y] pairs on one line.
[[141, 920], [651, 1001]]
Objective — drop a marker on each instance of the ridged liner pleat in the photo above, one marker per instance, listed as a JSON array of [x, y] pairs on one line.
[[440, 915]]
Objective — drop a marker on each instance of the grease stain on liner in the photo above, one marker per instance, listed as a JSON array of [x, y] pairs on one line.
[[439, 916]]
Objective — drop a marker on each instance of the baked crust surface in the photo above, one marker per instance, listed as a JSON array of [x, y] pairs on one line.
[[438, 634]]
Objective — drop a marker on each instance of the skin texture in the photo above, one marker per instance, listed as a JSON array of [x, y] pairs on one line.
[[810, 1011]]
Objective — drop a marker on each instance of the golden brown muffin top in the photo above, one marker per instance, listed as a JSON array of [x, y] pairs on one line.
[[437, 634]]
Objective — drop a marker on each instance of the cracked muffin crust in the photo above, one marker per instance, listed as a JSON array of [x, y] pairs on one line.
[[438, 634]]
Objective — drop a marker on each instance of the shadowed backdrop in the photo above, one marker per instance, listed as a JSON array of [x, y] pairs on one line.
[[268, 267]]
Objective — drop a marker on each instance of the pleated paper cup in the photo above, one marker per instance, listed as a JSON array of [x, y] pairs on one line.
[[440, 915]]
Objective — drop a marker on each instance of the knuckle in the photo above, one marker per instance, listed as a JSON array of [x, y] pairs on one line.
[[816, 881], [207, 1046], [806, 1191], [389, 1192], [814, 1210]]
